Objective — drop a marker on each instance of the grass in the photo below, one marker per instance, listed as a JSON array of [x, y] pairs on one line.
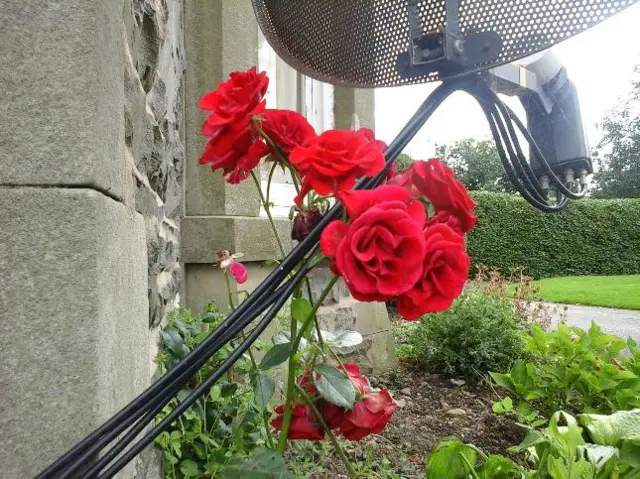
[[621, 292]]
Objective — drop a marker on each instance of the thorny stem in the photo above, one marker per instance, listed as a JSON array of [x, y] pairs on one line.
[[271, 172], [291, 379], [268, 211], [332, 436], [254, 365]]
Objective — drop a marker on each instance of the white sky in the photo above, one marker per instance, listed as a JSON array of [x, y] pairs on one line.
[[599, 61]]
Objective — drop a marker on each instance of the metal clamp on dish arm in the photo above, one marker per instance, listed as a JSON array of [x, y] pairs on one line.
[[550, 101]]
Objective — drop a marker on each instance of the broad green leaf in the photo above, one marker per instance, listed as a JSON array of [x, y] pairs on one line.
[[265, 464], [212, 317], [451, 459], [503, 380], [228, 389], [278, 354], [335, 386], [557, 468], [342, 339], [190, 468], [519, 373], [501, 407], [300, 309], [173, 342], [630, 452], [533, 438], [610, 430], [264, 388], [500, 467], [599, 455]]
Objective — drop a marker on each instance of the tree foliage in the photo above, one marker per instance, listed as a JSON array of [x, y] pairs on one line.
[[618, 168], [403, 162], [477, 165]]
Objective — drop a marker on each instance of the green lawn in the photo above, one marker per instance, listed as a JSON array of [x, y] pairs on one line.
[[609, 291]]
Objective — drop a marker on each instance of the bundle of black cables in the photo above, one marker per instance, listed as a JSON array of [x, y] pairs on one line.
[[92, 457]]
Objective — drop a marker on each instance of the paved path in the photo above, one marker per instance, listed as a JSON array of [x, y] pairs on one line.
[[619, 322]]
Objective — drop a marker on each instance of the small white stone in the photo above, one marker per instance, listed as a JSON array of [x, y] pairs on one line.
[[456, 412]]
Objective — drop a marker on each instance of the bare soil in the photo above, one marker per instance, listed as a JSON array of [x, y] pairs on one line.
[[431, 407]]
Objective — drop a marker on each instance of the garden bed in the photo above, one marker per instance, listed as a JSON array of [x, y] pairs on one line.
[[430, 407]]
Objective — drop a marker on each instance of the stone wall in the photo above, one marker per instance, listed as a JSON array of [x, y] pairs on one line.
[[154, 130], [91, 172]]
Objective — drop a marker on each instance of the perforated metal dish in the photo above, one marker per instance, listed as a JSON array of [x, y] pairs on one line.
[[357, 42]]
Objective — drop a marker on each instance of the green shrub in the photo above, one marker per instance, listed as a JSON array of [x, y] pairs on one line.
[[221, 427], [476, 335], [590, 237], [572, 370], [593, 447]]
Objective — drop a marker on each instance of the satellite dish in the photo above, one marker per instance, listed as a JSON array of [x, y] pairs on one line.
[[380, 43]]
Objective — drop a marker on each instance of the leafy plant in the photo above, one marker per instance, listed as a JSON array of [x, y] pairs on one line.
[[453, 459], [573, 370], [560, 451], [476, 335], [225, 424]]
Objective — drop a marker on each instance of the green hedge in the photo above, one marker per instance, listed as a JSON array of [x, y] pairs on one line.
[[590, 237]]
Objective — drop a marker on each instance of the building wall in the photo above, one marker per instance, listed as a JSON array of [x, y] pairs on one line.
[[91, 165], [108, 221]]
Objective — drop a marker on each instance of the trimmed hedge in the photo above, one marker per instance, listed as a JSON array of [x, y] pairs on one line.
[[590, 237]]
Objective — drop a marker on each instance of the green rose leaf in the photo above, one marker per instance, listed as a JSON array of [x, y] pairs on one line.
[[265, 464], [335, 386], [278, 354], [264, 388]]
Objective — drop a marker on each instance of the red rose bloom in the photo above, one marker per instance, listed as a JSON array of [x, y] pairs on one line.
[[370, 135], [304, 222], [368, 416], [304, 424], [236, 153], [234, 147], [446, 269], [360, 382], [436, 181], [234, 101], [334, 415], [306, 382], [380, 252], [332, 162], [287, 129], [447, 218]]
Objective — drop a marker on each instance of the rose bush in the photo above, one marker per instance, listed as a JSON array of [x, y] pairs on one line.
[[402, 241]]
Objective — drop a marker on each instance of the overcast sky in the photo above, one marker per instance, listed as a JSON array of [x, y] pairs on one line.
[[599, 61]]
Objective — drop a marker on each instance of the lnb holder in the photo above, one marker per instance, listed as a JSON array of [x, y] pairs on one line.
[[445, 51], [550, 101]]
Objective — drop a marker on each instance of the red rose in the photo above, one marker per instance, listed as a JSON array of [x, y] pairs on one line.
[[304, 222], [360, 382], [304, 424], [368, 416], [306, 382], [436, 181], [380, 252], [333, 415], [445, 271], [370, 135], [332, 162], [287, 129], [234, 101], [236, 152], [447, 218]]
